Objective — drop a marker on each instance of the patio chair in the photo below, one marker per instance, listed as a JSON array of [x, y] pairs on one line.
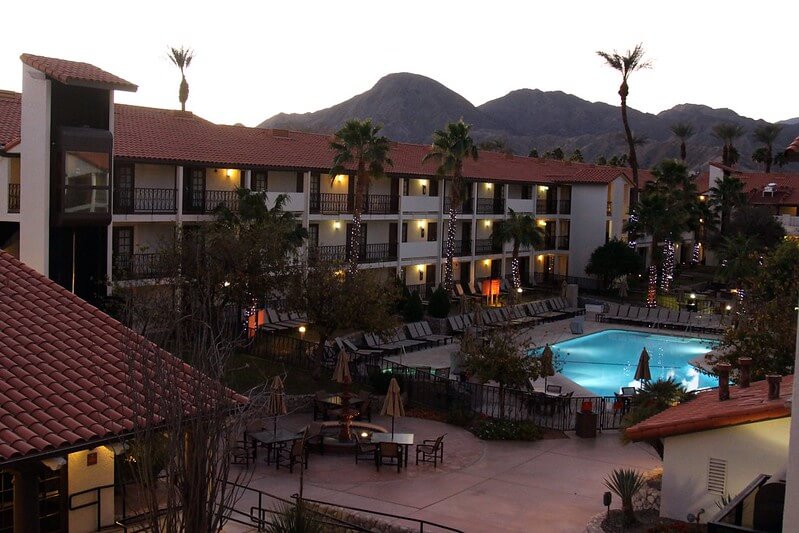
[[428, 333], [364, 450], [628, 391], [431, 451], [239, 452], [297, 453], [315, 436], [624, 310], [389, 453], [319, 405], [554, 389]]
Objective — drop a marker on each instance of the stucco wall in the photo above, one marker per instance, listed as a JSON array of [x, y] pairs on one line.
[[750, 449], [81, 477], [155, 176], [589, 205]]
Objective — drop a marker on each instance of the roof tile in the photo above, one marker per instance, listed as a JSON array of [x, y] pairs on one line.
[[76, 73]]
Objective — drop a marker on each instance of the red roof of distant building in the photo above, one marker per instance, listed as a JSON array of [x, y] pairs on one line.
[[77, 73], [785, 190], [793, 150], [10, 117], [70, 374], [706, 411]]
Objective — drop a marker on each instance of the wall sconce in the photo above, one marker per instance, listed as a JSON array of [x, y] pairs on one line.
[[488, 186], [424, 189], [420, 268], [339, 178], [543, 188], [487, 262], [229, 173], [421, 232], [336, 225], [542, 223], [487, 223], [540, 257]]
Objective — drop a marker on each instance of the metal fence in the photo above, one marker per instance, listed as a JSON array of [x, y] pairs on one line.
[[13, 197]]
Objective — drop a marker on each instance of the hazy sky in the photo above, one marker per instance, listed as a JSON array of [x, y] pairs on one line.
[[254, 59]]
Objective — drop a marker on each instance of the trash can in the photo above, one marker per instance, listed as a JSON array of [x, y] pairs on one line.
[[586, 424]]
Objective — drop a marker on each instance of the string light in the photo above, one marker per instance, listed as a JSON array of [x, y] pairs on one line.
[[355, 242], [652, 287], [695, 256], [668, 266], [633, 220], [449, 248], [514, 270]]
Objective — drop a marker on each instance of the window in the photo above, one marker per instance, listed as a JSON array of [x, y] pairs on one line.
[[526, 194], [433, 187], [313, 235], [123, 241], [432, 231], [406, 187], [86, 184], [260, 180], [404, 232]]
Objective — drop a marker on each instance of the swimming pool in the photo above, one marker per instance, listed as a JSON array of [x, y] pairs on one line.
[[605, 361]]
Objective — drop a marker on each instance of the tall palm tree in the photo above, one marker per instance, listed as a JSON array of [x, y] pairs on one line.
[[726, 195], [181, 57], [521, 230], [627, 64], [766, 135], [683, 131], [451, 147], [728, 133], [359, 143]]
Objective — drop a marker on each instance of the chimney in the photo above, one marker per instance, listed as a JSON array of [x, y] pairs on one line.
[[723, 370], [746, 371], [773, 386]]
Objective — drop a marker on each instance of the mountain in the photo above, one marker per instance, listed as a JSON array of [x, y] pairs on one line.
[[410, 107]]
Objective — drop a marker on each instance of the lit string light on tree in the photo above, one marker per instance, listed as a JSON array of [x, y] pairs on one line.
[[668, 266], [652, 287], [695, 255], [633, 220], [450, 248]]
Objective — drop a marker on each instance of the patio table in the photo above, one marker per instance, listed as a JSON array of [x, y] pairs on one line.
[[401, 439], [270, 440]]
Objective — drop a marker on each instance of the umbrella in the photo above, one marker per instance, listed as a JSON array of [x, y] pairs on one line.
[[623, 288], [276, 402], [393, 404], [642, 372], [547, 368], [342, 372]]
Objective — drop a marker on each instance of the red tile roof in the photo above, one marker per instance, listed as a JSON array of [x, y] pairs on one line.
[[706, 411], [786, 189], [793, 150], [70, 374], [10, 118], [76, 73]]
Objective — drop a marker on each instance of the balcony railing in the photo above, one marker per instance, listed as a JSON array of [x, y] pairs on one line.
[[490, 206], [13, 197], [138, 266], [545, 207], [486, 246], [205, 202], [565, 207], [466, 208], [374, 204], [460, 248], [563, 242], [145, 201], [369, 253]]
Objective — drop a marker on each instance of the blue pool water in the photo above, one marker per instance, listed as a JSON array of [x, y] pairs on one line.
[[605, 361]]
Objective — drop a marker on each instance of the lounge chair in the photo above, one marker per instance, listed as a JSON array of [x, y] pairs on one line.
[[421, 331], [456, 325], [554, 389], [624, 310], [612, 310], [539, 309]]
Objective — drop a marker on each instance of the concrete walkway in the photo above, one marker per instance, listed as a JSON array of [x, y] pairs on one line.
[[550, 485]]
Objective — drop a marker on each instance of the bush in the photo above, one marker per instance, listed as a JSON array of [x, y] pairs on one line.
[[294, 519], [458, 415], [439, 303], [413, 310], [380, 380], [495, 429]]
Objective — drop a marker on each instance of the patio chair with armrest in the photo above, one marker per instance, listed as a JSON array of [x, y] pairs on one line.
[[364, 450], [431, 451], [315, 436], [297, 453], [389, 453], [239, 452]]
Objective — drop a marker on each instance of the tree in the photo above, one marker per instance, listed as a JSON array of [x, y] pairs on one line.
[[728, 133], [612, 260], [683, 131], [500, 357], [601, 160], [626, 483], [439, 304], [739, 258], [758, 224], [577, 156], [451, 147], [499, 144], [414, 309], [521, 230], [359, 143], [626, 64], [181, 58], [726, 195], [766, 135], [766, 329], [556, 154], [533, 152]]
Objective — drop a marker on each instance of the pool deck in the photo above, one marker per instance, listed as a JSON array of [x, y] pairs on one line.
[[547, 333]]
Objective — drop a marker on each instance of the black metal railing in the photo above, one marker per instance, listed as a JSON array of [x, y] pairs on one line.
[[424, 289], [373, 204], [139, 266], [495, 206], [13, 197], [486, 246], [549, 242], [460, 248], [565, 207], [466, 207], [145, 201], [563, 242], [545, 207], [381, 204], [217, 199], [730, 519], [369, 253]]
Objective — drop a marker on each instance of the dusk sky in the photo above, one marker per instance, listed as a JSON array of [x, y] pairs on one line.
[[255, 59]]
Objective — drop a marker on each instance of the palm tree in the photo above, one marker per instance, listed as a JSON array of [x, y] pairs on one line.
[[451, 147], [728, 133], [683, 131], [726, 195], [359, 143], [522, 231], [182, 57], [626, 483], [766, 135], [627, 64]]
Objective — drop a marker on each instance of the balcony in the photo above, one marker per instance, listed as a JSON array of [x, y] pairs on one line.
[[204, 202], [490, 206], [549, 242], [420, 204], [466, 208], [520, 205], [562, 242], [138, 266], [145, 201], [609, 211], [370, 253], [545, 207], [565, 207], [334, 204], [460, 248], [486, 247], [13, 197]]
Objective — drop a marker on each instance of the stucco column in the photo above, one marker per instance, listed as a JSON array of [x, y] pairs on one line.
[[790, 518], [179, 194], [26, 498], [248, 179]]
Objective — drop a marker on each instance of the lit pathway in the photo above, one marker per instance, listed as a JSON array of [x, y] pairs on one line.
[[549, 485]]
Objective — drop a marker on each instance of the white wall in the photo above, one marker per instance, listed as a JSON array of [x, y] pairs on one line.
[[750, 449], [619, 196], [81, 477], [216, 179], [154, 176], [588, 215], [35, 179]]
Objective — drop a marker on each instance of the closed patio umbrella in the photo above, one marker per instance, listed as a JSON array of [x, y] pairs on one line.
[[393, 405], [642, 372], [276, 402], [547, 368], [342, 372]]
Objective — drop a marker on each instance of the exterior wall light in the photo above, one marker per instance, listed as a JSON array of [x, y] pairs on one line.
[[339, 178], [302, 330], [336, 225], [542, 223], [229, 173], [488, 223]]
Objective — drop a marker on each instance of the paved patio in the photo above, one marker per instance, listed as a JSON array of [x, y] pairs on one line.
[[549, 485]]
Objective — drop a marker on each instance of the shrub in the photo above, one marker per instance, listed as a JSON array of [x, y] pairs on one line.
[[498, 429], [380, 380], [413, 310], [460, 416], [439, 303], [625, 483], [294, 519]]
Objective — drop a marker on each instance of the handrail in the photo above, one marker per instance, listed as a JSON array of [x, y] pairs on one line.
[[421, 522]]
